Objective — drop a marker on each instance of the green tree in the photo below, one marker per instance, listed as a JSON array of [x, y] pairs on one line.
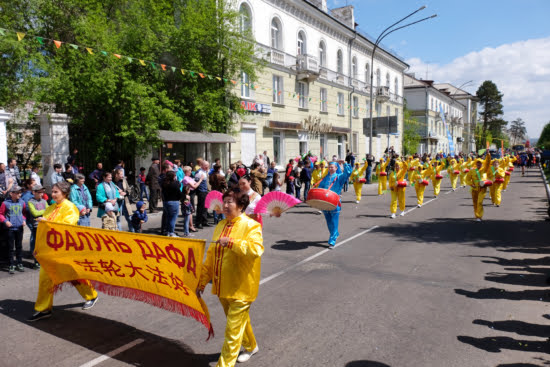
[[490, 101], [117, 104], [411, 135], [544, 139], [517, 130]]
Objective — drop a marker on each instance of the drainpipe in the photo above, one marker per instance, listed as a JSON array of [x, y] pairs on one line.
[[350, 44], [427, 122]]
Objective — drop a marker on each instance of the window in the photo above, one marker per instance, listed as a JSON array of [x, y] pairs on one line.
[[301, 47], [323, 97], [245, 86], [303, 138], [245, 18], [341, 103], [378, 110], [276, 34], [396, 86], [432, 104], [367, 74], [303, 94], [278, 147], [340, 62], [354, 68], [388, 80], [323, 145], [340, 146], [278, 90], [356, 107], [377, 77], [322, 54]]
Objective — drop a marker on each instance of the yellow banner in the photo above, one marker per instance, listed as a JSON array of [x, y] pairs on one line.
[[161, 271]]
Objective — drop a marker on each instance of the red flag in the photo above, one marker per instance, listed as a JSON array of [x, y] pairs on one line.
[[57, 43]]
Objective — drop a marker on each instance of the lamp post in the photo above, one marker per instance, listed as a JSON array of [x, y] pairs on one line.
[[383, 35], [452, 103]]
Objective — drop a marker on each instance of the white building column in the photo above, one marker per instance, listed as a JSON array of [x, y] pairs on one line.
[[4, 117], [54, 141]]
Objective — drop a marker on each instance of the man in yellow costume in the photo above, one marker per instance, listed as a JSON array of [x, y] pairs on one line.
[[358, 180], [397, 180], [319, 172], [437, 167], [454, 171], [63, 211], [509, 166], [464, 169], [382, 175], [419, 178], [233, 265], [496, 174], [476, 179]]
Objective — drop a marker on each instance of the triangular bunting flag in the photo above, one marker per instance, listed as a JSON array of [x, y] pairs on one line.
[[225, 80], [2, 32], [117, 56], [142, 62], [173, 69], [202, 75], [153, 65], [209, 77], [90, 51], [104, 53], [73, 46], [129, 59], [57, 43], [193, 74], [220, 79], [163, 67], [234, 82], [20, 36], [40, 40], [182, 72]]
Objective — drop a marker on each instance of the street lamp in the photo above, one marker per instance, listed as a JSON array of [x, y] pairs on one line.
[[452, 103], [383, 35]]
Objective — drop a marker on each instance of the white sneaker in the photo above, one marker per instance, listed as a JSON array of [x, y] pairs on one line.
[[356, 201], [245, 356], [478, 220], [392, 216], [419, 206], [402, 213]]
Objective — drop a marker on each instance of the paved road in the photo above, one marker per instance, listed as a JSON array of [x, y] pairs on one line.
[[433, 288]]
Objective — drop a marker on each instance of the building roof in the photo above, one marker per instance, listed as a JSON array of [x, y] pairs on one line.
[[194, 137]]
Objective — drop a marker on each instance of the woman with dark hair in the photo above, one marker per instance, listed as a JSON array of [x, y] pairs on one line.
[[171, 195], [233, 264], [62, 211], [235, 177], [254, 198]]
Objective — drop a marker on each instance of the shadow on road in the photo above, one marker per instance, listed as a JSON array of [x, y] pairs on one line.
[[366, 364], [88, 331], [518, 327], [288, 245], [497, 344], [496, 293]]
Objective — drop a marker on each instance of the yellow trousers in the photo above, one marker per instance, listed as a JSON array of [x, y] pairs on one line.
[[419, 193], [357, 186], [478, 195], [496, 190], [44, 300], [454, 180], [437, 186], [238, 331], [382, 184], [397, 195], [506, 181], [462, 179]]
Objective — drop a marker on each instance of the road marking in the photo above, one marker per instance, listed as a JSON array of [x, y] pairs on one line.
[[276, 275], [424, 204], [113, 353]]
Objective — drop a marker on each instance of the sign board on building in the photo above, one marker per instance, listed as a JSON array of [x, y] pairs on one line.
[[256, 107], [313, 125], [381, 125]]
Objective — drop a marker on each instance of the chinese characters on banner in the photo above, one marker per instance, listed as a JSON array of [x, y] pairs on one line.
[[161, 271]]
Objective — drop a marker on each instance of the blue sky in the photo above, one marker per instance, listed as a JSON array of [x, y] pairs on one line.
[[500, 40]]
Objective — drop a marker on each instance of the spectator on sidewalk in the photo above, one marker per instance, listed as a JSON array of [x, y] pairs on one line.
[[56, 175], [34, 174], [218, 183], [68, 174], [305, 177], [171, 196], [6, 182], [139, 217], [152, 181], [109, 218], [81, 197], [36, 207], [97, 174], [258, 175], [370, 161], [202, 191], [187, 211], [14, 170], [107, 192], [124, 200], [12, 215], [142, 186]]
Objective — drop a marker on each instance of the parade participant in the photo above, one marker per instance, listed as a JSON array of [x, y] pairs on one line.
[[334, 181], [454, 171], [62, 211], [397, 178], [437, 167], [319, 173], [464, 169], [476, 179], [509, 166], [254, 197], [496, 174], [382, 175], [233, 263], [358, 180], [419, 179]]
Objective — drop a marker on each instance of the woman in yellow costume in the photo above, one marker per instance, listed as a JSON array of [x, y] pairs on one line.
[[437, 167], [496, 174], [233, 263], [319, 172], [509, 166], [63, 211], [419, 178], [454, 171], [464, 169], [397, 186], [476, 179], [382, 175], [358, 180]]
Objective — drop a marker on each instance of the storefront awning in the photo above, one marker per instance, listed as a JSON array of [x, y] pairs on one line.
[[194, 137]]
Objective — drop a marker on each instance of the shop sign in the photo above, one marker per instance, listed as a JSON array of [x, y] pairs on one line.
[[313, 125], [256, 107]]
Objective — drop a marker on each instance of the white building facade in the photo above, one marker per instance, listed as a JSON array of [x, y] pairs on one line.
[[425, 102], [313, 95]]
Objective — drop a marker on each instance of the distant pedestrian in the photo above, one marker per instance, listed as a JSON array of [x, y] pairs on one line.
[[12, 215]]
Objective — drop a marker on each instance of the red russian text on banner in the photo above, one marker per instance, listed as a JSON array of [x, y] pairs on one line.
[[161, 271]]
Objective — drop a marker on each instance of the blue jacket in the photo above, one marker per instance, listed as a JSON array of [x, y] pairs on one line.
[[339, 178], [13, 212], [101, 196], [137, 217], [78, 200]]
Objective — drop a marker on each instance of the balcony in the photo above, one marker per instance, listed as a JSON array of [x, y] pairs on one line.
[[277, 57], [382, 94], [307, 67]]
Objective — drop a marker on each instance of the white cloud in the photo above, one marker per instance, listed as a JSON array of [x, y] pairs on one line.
[[520, 70]]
